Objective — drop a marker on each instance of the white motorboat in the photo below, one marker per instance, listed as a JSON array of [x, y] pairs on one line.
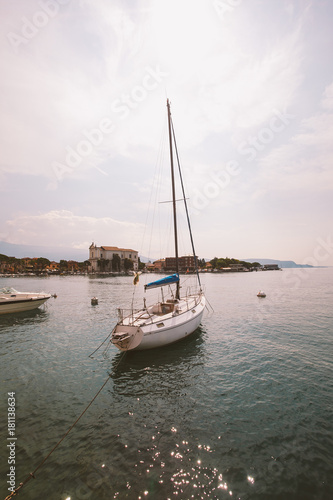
[[261, 294], [170, 319], [12, 301]]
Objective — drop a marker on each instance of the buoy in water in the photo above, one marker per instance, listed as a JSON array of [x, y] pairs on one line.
[[94, 301]]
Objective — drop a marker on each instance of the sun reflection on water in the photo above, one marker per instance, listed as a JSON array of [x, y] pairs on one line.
[[183, 472]]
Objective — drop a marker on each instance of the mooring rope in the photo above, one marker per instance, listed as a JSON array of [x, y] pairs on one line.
[[90, 355], [32, 474]]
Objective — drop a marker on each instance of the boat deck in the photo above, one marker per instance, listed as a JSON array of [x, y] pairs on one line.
[[154, 313]]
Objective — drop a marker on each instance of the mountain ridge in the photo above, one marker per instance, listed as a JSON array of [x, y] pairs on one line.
[[51, 253], [280, 263]]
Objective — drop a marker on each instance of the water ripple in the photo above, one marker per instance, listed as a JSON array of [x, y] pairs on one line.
[[241, 409]]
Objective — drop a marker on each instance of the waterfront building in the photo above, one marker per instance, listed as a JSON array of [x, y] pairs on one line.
[[237, 267], [107, 259], [271, 267], [186, 263]]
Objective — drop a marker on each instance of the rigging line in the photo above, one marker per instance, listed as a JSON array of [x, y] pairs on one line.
[[90, 355], [162, 215], [156, 177], [32, 474], [156, 188], [170, 201], [210, 305], [186, 209]]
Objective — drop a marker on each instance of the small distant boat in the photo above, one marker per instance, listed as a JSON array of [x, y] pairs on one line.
[[261, 294], [12, 301]]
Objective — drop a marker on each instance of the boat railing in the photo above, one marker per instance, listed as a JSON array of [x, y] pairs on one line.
[[124, 313], [132, 314], [193, 291]]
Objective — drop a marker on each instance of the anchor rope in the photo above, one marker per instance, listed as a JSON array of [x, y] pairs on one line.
[[210, 305], [90, 355], [32, 474]]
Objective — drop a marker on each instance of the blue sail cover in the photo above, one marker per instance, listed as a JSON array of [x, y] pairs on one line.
[[168, 280]]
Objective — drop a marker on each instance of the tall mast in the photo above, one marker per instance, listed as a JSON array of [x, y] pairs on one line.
[[173, 197]]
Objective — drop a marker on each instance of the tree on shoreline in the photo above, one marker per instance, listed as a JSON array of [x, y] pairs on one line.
[[116, 261], [128, 264], [42, 263], [218, 263]]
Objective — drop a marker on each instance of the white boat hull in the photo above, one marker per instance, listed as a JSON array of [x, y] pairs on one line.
[[161, 331], [8, 305]]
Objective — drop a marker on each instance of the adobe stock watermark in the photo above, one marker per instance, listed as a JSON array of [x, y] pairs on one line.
[[276, 467], [98, 478], [223, 7], [250, 148], [150, 82], [93, 138], [255, 144], [30, 28], [321, 253], [219, 180], [293, 279]]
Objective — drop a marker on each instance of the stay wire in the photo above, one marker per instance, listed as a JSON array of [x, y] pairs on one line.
[[154, 191], [187, 213], [32, 474], [185, 204]]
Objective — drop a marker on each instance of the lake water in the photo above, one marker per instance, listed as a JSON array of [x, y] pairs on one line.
[[242, 409]]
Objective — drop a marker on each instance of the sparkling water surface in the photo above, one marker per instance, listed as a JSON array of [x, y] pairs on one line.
[[241, 409]]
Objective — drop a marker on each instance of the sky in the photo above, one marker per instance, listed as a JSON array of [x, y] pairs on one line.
[[84, 155]]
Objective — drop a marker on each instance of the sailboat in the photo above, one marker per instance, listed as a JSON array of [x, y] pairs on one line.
[[170, 319]]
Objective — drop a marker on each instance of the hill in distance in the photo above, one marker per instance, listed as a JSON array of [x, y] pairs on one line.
[[51, 253], [280, 263]]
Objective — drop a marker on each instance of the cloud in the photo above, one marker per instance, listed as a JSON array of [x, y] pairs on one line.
[[73, 74], [225, 76], [304, 162], [62, 228], [327, 100], [59, 82]]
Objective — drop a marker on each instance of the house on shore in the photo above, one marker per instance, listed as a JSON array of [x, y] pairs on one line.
[[237, 267], [150, 267], [159, 265], [112, 259], [53, 267]]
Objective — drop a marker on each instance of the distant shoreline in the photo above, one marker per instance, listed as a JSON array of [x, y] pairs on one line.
[[124, 274]]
